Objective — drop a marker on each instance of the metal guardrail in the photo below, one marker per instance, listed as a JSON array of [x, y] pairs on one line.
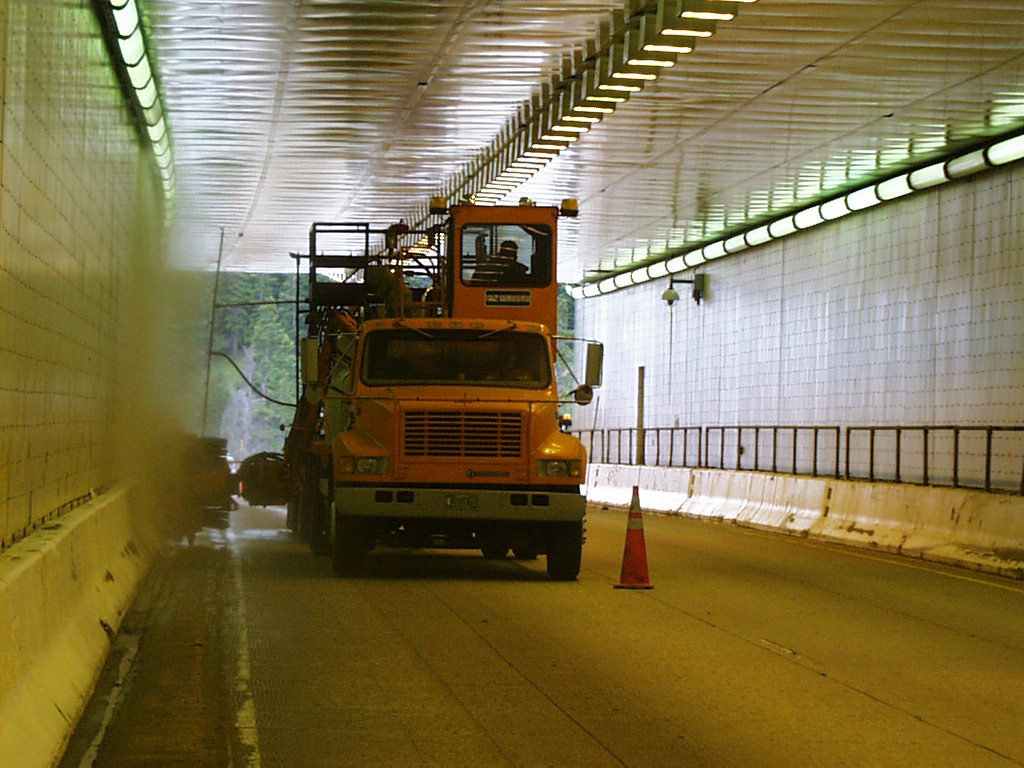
[[987, 458]]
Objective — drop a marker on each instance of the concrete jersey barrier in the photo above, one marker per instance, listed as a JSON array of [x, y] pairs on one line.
[[63, 593], [974, 529]]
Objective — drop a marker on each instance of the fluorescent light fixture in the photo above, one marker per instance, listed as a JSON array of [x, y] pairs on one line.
[[694, 258], [608, 99], [687, 32], [568, 138], [148, 97], [547, 146], [126, 18], [1007, 151], [862, 198], [651, 63], [735, 243], [617, 87], [639, 275], [677, 264], [622, 280], [587, 108], [659, 48], [581, 118], [758, 236], [808, 217], [713, 250], [890, 189], [968, 164], [132, 48], [782, 227], [573, 128], [533, 153], [930, 176], [708, 15], [633, 76], [656, 270], [834, 209], [157, 132], [140, 74]]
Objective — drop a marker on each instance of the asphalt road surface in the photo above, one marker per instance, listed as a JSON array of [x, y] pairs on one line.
[[752, 649]]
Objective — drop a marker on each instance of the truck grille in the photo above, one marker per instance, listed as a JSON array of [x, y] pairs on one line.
[[487, 434]]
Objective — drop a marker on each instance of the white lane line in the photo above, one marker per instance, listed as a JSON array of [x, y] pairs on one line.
[[128, 646], [245, 714]]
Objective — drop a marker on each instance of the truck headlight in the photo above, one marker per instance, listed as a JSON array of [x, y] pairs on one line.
[[371, 465], [559, 468], [363, 465]]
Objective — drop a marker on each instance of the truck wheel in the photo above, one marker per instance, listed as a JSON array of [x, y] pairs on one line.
[[565, 551], [494, 551], [350, 543], [319, 536]]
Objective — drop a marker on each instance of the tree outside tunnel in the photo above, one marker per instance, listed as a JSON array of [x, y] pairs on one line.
[[260, 339]]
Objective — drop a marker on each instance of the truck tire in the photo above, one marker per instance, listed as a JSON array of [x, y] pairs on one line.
[[315, 507], [350, 543], [565, 551], [319, 536]]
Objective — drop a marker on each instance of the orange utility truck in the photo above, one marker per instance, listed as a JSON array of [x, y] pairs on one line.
[[430, 401]]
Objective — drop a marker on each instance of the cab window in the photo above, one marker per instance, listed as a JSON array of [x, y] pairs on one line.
[[505, 255]]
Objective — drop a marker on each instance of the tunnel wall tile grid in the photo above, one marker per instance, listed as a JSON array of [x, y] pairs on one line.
[[911, 313], [68, 202]]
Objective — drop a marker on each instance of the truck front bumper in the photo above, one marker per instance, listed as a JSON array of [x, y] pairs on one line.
[[459, 503]]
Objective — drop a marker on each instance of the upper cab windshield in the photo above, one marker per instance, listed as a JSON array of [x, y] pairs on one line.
[[506, 255], [402, 357]]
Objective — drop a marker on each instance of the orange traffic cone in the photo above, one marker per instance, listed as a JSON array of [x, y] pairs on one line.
[[634, 556]]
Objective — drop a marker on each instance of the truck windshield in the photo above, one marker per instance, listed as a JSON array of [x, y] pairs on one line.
[[445, 356]]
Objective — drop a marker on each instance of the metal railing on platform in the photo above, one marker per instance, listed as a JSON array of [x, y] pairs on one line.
[[988, 458]]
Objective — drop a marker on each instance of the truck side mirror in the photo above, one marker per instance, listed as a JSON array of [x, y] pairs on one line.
[[583, 394], [595, 365]]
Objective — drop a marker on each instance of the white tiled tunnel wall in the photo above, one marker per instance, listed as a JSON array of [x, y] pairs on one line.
[[911, 313], [70, 204]]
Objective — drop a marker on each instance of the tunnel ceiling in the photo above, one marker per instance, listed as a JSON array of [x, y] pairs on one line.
[[284, 113]]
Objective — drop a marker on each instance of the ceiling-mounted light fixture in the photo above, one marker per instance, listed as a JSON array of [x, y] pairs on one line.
[[127, 43], [633, 48], [1000, 152]]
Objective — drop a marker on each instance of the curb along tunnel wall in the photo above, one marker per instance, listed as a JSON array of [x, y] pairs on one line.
[[972, 529]]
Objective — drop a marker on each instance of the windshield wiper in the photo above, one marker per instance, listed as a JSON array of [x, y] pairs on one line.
[[510, 327], [420, 331]]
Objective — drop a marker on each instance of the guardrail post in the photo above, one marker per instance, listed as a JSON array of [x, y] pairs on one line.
[[956, 457], [871, 454], [988, 458], [899, 435], [814, 449], [793, 469], [924, 461]]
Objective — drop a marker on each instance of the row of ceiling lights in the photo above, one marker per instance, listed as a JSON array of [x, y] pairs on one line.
[[123, 25], [635, 45], [1001, 152]]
